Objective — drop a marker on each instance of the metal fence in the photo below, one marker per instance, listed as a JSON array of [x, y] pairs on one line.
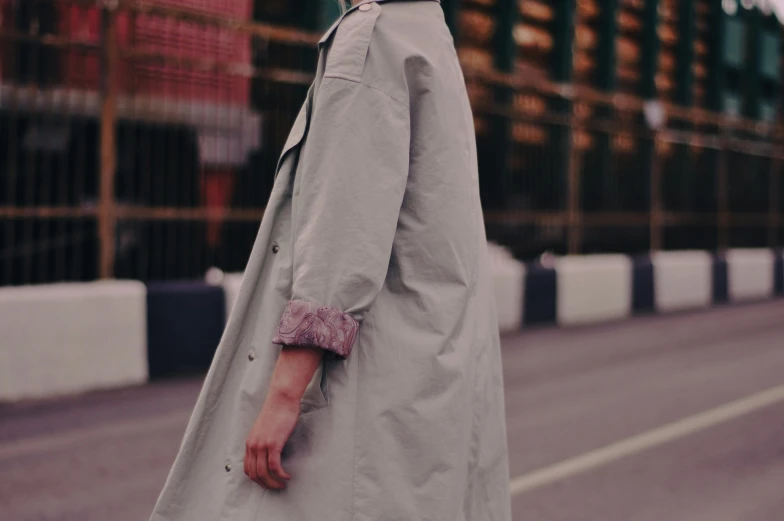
[[139, 140], [586, 171]]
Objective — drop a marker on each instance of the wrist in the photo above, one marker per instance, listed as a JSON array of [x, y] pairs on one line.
[[294, 369], [284, 394]]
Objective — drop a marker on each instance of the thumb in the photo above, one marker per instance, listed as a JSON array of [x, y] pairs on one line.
[[276, 469]]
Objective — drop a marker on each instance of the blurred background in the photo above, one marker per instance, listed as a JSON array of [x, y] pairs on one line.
[[138, 145], [138, 139]]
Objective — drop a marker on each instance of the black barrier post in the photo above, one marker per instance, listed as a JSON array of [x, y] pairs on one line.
[[643, 287], [185, 321], [541, 293]]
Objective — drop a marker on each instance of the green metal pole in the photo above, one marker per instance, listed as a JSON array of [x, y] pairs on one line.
[[752, 95], [716, 101], [451, 10], [564, 39], [680, 187], [605, 53], [560, 135], [330, 11], [684, 66], [717, 69], [650, 174], [565, 156], [650, 49], [606, 81], [503, 39], [496, 159]]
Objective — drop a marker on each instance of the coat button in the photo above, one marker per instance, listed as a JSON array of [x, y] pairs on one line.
[[365, 7], [251, 356], [275, 248], [228, 467]]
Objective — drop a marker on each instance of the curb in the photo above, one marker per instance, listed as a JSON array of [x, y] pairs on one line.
[[75, 337]]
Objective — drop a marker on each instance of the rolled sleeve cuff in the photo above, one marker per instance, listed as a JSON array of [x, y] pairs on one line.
[[306, 324]]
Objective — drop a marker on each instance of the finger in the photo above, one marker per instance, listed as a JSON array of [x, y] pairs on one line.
[[276, 469], [264, 474], [252, 474]]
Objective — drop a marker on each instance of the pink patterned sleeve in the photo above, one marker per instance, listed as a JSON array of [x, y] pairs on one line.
[[306, 324]]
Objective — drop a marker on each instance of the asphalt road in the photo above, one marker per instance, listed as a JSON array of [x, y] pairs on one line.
[[659, 418]]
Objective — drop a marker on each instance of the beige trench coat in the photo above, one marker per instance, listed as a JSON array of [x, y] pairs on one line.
[[374, 224]]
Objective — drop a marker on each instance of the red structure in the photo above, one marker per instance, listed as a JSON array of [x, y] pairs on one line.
[[155, 38], [175, 77]]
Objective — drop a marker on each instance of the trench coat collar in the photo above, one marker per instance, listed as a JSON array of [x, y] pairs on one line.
[[340, 18]]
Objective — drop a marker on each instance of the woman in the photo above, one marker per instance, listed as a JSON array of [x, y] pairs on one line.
[[359, 376]]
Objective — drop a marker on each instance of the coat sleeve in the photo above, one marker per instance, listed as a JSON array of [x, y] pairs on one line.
[[350, 186]]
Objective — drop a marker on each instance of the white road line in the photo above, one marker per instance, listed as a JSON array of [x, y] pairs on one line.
[[646, 440], [62, 440]]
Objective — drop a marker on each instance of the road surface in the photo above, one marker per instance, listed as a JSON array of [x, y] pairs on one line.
[[658, 418]]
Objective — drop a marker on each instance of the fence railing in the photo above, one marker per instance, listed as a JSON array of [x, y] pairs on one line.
[[139, 139], [592, 171]]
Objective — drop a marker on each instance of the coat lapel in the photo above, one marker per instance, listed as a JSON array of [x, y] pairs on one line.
[[297, 130]]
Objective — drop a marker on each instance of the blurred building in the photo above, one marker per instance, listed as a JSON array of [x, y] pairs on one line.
[[184, 129], [602, 125], [589, 77], [566, 96]]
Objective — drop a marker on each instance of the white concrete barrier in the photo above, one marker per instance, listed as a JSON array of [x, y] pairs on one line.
[[509, 286], [67, 338], [682, 280], [750, 273], [231, 283], [593, 288]]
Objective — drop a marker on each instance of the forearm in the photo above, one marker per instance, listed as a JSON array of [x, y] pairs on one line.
[[294, 370]]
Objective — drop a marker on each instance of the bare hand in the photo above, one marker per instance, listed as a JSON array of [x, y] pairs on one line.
[[266, 439]]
